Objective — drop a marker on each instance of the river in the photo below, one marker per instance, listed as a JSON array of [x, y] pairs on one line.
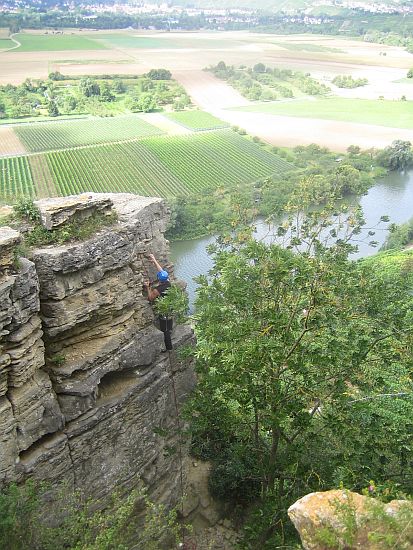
[[391, 196]]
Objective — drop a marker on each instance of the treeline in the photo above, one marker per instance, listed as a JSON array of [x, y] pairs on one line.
[[347, 81], [266, 83], [212, 211], [373, 27], [105, 95], [84, 19]]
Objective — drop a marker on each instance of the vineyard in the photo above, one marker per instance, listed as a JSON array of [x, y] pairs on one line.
[[15, 178], [214, 158], [160, 165], [197, 120], [49, 136]]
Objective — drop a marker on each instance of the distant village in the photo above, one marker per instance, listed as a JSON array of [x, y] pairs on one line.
[[231, 14]]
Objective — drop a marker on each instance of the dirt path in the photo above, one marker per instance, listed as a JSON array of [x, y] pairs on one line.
[[215, 96], [42, 177], [10, 143], [208, 92], [165, 124]]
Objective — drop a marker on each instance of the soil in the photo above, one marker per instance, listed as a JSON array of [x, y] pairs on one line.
[[215, 96], [10, 143]]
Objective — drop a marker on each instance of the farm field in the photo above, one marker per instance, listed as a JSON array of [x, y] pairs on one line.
[[55, 43], [5, 43], [395, 114], [172, 41], [215, 158], [15, 178], [187, 54], [46, 136], [197, 120], [161, 165]]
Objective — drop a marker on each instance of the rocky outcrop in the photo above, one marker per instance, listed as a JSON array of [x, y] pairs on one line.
[[343, 519], [85, 386]]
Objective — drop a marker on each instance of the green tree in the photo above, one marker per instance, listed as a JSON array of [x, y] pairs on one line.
[[52, 109], [294, 342], [118, 86], [146, 103], [410, 73], [159, 74], [89, 87], [259, 68], [56, 75], [106, 94], [397, 156]]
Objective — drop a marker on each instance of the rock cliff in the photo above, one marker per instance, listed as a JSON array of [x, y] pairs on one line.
[[84, 384]]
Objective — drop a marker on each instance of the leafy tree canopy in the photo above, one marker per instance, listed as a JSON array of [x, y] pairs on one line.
[[304, 359], [397, 156]]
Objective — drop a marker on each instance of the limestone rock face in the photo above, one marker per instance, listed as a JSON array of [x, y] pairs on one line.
[[85, 386], [9, 238], [56, 211], [325, 513]]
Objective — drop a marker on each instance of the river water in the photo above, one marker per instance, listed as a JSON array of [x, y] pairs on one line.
[[391, 196]]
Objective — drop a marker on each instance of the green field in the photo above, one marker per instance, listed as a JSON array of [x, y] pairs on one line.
[[15, 178], [197, 120], [6, 43], [167, 42], [161, 165], [55, 43], [306, 47], [48, 136], [396, 114]]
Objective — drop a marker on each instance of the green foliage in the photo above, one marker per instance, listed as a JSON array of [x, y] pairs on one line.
[[309, 356], [56, 75], [386, 531], [52, 109], [26, 209], [174, 304], [73, 230], [146, 103], [347, 81], [397, 156], [104, 95], [89, 87], [410, 73], [400, 236], [83, 524], [159, 74], [59, 359], [260, 82]]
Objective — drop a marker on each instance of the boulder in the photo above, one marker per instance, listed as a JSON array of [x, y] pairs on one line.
[[343, 519]]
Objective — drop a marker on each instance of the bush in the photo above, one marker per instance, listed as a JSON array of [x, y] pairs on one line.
[[25, 209], [159, 74], [84, 526]]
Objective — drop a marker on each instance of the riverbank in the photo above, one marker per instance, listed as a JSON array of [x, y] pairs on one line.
[[391, 196]]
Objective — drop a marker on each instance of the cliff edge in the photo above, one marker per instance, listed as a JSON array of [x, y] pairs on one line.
[[84, 384]]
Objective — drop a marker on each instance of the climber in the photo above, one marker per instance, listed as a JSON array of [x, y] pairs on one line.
[[160, 291], [163, 278]]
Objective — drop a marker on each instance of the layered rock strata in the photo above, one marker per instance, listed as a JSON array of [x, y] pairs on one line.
[[84, 384]]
